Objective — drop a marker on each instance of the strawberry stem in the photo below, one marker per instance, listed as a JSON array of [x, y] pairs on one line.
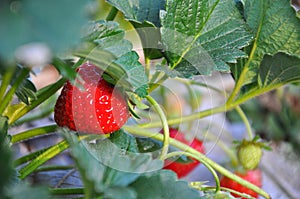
[[246, 121], [32, 133], [165, 125], [188, 118], [213, 172], [42, 158], [41, 113], [28, 157], [158, 83], [66, 191], [224, 147], [54, 167], [42, 95], [147, 66], [143, 132], [154, 77], [207, 188], [112, 14]]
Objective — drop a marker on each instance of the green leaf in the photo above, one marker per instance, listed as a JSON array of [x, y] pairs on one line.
[[276, 29], [150, 38], [26, 91], [278, 70], [140, 10], [202, 36], [274, 71], [137, 101], [64, 69], [144, 16], [21, 190], [120, 153], [42, 157], [163, 184], [6, 160], [146, 145], [92, 172], [135, 73], [108, 164], [15, 111], [23, 22], [106, 47], [3, 128], [120, 193]]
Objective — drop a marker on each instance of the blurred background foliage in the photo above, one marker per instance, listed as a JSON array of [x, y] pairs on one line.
[[275, 115]]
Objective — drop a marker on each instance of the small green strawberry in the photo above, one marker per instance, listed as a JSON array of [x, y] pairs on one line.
[[249, 153]]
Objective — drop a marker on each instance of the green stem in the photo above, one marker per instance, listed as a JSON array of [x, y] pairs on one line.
[[142, 132], [32, 133], [224, 147], [242, 76], [213, 172], [245, 120], [42, 95], [42, 158], [112, 14], [188, 118], [9, 95], [164, 123], [225, 189], [194, 103], [158, 83], [54, 168], [155, 76], [238, 85], [147, 66], [6, 78], [66, 191], [34, 116], [45, 110], [28, 157]]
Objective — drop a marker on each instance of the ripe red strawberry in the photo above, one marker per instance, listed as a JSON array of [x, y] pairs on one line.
[[183, 169], [96, 108], [253, 176]]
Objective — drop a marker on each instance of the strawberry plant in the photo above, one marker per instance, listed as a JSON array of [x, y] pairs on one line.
[[108, 113]]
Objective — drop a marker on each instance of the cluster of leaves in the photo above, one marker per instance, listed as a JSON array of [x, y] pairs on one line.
[[258, 41], [116, 168]]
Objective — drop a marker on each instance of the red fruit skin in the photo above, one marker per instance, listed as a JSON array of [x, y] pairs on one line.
[[96, 109], [183, 169], [253, 176]]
